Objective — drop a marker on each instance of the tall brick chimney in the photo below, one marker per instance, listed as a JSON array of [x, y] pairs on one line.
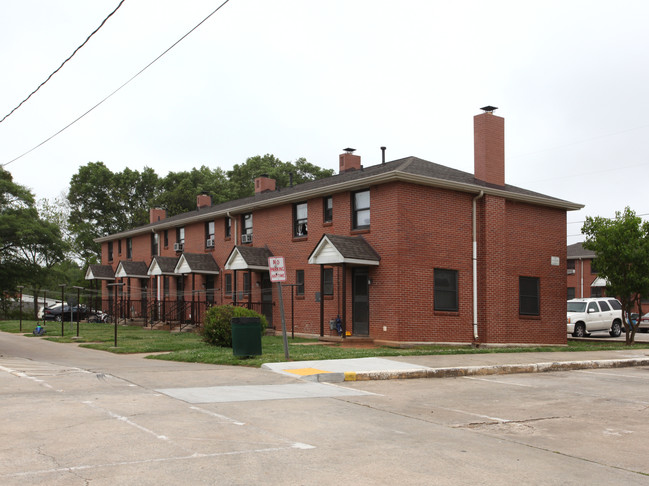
[[203, 200], [489, 147], [349, 161], [264, 183], [157, 214]]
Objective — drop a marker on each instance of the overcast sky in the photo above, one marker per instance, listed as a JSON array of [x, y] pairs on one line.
[[306, 78]]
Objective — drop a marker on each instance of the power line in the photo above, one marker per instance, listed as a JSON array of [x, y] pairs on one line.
[[122, 86], [63, 63]]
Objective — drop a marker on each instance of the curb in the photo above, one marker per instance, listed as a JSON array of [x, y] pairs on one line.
[[455, 372]]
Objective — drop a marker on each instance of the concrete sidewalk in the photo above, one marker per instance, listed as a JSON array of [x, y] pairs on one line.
[[444, 366]]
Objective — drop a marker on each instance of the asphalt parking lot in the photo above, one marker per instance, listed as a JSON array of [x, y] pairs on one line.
[[72, 416]]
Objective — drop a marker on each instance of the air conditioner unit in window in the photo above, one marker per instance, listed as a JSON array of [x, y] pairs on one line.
[[178, 247], [209, 243], [246, 238], [571, 271]]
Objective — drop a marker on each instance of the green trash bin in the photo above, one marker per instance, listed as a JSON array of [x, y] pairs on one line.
[[246, 336]]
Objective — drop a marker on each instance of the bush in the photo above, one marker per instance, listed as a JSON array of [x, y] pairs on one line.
[[217, 330]]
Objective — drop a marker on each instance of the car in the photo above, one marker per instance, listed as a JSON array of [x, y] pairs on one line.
[[644, 323], [58, 312], [594, 314]]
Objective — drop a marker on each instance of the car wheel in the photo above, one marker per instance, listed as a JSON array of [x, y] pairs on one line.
[[580, 330], [616, 329]]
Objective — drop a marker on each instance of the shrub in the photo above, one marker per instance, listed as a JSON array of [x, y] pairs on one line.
[[217, 330]]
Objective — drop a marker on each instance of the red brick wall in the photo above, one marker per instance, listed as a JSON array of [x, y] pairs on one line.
[[575, 279], [414, 229]]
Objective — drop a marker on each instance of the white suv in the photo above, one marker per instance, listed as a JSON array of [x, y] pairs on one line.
[[594, 314]]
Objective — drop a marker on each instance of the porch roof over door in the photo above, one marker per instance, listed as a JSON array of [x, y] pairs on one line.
[[100, 272], [127, 269], [197, 263], [161, 265], [248, 258], [337, 249]]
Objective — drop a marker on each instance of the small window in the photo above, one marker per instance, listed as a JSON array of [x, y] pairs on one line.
[[597, 291], [110, 251], [328, 281], [228, 227], [300, 219], [593, 267], [166, 238], [228, 284], [529, 296], [154, 244], [570, 264], [445, 290], [129, 248], [571, 293], [180, 235], [361, 205], [246, 283], [119, 247], [604, 306], [246, 224], [592, 307], [299, 282], [328, 205], [209, 230]]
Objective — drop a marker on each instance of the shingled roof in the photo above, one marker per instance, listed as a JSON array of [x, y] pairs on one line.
[[410, 169], [100, 272], [336, 249]]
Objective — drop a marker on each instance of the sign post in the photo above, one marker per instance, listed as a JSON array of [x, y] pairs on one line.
[[277, 270]]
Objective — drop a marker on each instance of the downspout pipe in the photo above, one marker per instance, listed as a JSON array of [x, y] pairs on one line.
[[475, 267]]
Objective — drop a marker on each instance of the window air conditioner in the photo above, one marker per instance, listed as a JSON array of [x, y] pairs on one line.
[[209, 243], [247, 238], [178, 247], [571, 271]]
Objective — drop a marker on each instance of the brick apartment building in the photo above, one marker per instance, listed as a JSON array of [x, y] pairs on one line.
[[583, 280], [405, 251]]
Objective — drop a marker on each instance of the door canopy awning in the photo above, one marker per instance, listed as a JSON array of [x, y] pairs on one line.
[[127, 269], [100, 272], [336, 249], [248, 258], [599, 282], [196, 263], [162, 265]]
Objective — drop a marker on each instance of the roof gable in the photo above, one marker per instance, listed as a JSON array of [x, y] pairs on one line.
[[336, 249]]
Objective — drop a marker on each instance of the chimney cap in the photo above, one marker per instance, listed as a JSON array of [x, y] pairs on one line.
[[349, 150], [489, 108]]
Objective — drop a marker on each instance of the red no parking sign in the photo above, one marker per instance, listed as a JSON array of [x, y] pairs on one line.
[[277, 269]]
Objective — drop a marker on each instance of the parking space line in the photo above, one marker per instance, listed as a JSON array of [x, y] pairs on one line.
[[497, 381], [603, 372], [196, 455]]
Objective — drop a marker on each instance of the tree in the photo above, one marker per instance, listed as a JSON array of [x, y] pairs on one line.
[[621, 246], [242, 177], [179, 189], [29, 244], [103, 202]]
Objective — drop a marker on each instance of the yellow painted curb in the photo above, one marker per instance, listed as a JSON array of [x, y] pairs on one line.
[[306, 371], [350, 376]]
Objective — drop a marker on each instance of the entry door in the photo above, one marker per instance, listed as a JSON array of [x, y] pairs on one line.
[[360, 302], [267, 298]]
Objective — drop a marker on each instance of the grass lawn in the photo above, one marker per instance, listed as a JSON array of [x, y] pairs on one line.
[[189, 347]]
